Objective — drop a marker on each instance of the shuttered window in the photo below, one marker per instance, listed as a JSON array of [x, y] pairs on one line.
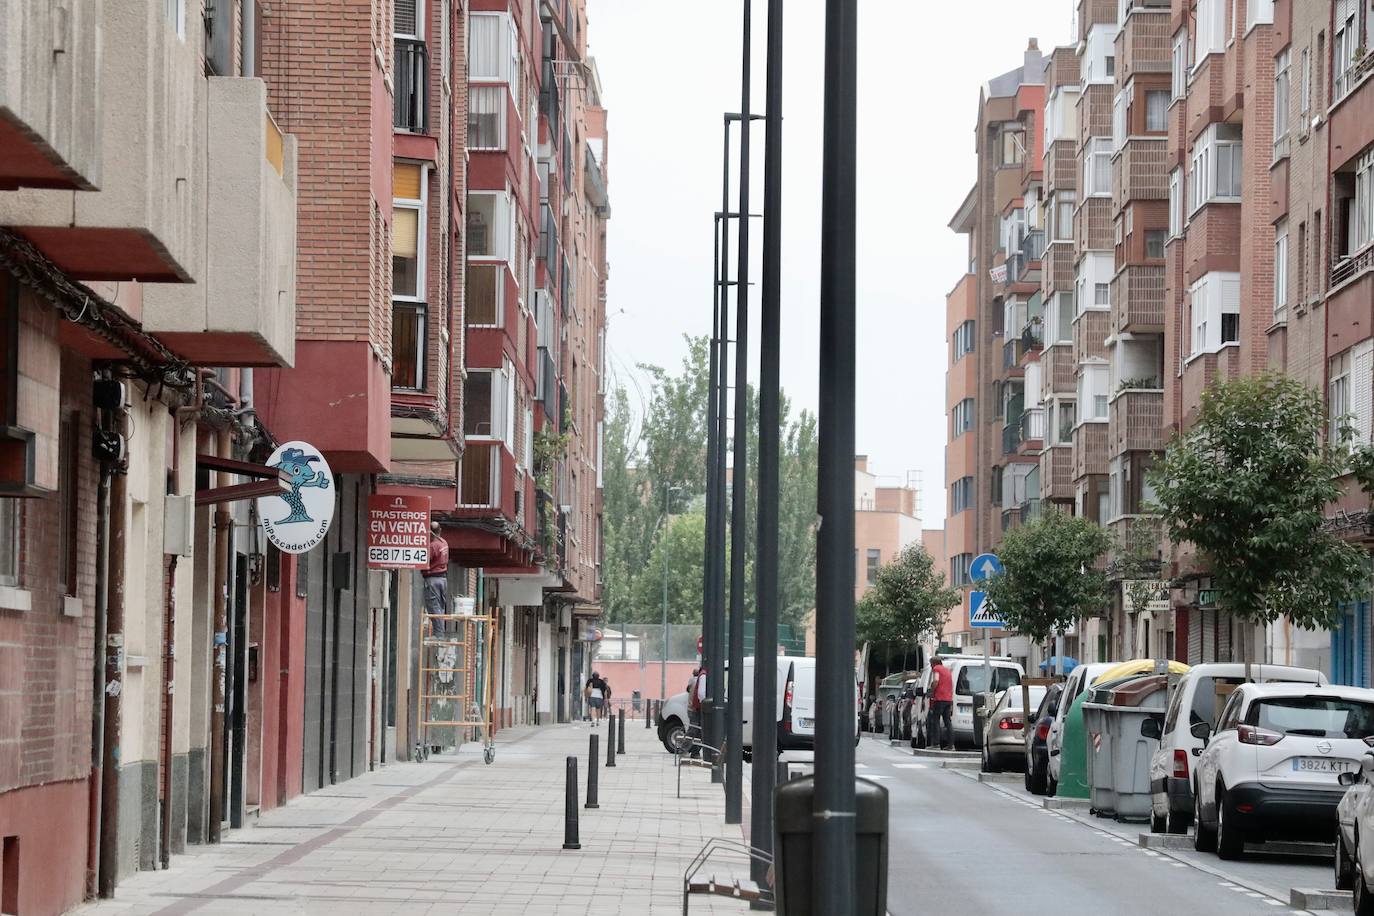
[[406, 20], [1362, 391]]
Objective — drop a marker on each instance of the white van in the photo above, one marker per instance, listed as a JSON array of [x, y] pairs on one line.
[[1171, 766], [968, 680], [796, 708]]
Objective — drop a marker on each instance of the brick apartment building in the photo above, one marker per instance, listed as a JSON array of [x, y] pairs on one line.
[[284, 257], [1203, 199]]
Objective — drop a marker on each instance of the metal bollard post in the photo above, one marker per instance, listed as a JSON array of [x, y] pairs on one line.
[[592, 758], [570, 808], [782, 776], [620, 733], [647, 716], [610, 742]]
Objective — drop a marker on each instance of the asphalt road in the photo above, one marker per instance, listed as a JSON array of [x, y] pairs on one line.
[[961, 846]]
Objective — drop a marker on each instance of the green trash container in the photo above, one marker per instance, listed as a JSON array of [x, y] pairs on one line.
[[1073, 764], [794, 873]]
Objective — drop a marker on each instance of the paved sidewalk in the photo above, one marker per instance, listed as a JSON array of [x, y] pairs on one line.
[[452, 835]]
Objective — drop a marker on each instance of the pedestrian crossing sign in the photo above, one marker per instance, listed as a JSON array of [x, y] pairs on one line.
[[982, 613]]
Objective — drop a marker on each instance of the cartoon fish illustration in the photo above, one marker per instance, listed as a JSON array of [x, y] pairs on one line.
[[296, 464]]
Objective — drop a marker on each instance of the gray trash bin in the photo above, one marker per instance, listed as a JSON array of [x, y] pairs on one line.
[[1121, 763], [794, 873], [1101, 779]]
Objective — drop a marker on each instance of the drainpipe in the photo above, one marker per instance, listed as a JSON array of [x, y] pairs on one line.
[[223, 526], [168, 670], [248, 18], [102, 566], [113, 647]]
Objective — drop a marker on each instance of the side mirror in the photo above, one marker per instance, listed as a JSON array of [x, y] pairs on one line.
[[1152, 728], [1200, 730], [1347, 778]]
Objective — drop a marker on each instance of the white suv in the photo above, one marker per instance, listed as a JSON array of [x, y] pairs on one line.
[[1273, 766]]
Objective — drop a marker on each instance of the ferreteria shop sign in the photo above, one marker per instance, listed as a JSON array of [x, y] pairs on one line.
[[295, 522], [398, 531]]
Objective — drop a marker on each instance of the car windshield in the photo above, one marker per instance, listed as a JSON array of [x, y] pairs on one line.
[[973, 679], [1317, 716]]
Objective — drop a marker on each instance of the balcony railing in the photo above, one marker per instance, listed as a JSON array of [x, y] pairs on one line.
[[1030, 509], [1011, 438], [1012, 352], [1032, 246], [1350, 265], [549, 105], [1032, 337], [480, 487], [548, 237], [1016, 266], [410, 107], [1033, 424]]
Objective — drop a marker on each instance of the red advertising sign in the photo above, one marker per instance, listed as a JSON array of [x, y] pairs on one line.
[[398, 531]]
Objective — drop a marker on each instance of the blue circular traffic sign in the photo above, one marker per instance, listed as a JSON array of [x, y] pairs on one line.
[[984, 567]]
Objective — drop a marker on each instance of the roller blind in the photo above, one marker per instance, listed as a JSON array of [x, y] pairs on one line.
[[405, 225], [405, 181]]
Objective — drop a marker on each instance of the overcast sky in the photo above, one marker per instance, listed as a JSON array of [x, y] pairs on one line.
[[669, 70]]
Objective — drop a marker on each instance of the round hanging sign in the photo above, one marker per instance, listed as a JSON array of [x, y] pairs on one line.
[[299, 519]]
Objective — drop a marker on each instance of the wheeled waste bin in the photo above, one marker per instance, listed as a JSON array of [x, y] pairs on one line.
[[795, 873], [1120, 760]]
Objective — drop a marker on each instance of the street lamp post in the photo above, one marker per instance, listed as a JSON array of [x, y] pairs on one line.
[[663, 556]]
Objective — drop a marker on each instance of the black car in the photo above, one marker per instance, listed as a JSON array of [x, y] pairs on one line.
[[1037, 752]]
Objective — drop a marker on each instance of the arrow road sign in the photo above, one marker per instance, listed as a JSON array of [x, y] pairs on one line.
[[982, 613], [984, 566]]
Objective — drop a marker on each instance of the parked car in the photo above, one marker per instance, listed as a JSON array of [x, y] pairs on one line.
[[672, 724], [1004, 734], [1171, 788], [969, 679], [1077, 681], [1037, 754], [1353, 815], [1272, 768]]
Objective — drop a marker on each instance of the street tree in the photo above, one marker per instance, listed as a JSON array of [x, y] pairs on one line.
[[1248, 485], [1050, 577], [907, 602]]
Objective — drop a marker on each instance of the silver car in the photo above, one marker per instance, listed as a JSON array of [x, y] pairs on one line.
[[1004, 743]]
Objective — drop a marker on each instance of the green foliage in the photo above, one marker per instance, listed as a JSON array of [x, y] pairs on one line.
[[1248, 485], [908, 601], [1137, 561], [1050, 576], [682, 547], [668, 448]]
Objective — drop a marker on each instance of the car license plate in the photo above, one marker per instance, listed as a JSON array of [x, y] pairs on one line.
[[1319, 765]]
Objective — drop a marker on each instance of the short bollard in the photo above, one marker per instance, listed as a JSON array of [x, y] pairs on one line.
[[592, 759], [570, 808], [782, 776], [647, 715], [610, 742], [620, 733]]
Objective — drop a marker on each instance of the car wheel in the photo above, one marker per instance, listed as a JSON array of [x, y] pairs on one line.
[[675, 737], [1230, 840], [1364, 901], [1157, 822], [1038, 779], [1204, 840], [1345, 871], [1177, 822]]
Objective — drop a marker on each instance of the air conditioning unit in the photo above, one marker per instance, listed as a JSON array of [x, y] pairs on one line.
[[178, 525]]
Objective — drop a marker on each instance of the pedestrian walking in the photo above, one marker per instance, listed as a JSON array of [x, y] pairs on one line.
[[435, 577], [597, 691], [696, 692], [940, 726]]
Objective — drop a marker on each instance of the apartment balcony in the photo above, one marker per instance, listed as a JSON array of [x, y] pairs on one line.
[[1089, 449], [50, 83], [594, 184], [1141, 170], [410, 105], [1143, 44], [1061, 166], [549, 103], [1016, 267], [1032, 249], [1056, 474], [1136, 420], [1093, 227], [1348, 267], [1057, 367], [1029, 510], [1056, 266], [241, 311], [546, 382], [1138, 299], [548, 237], [479, 482], [1090, 330], [1011, 518], [140, 224], [1032, 431], [1012, 351], [1032, 341], [1011, 438]]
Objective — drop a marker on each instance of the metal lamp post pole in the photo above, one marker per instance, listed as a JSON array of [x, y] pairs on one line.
[[833, 852], [739, 540], [663, 554], [763, 774], [708, 587]]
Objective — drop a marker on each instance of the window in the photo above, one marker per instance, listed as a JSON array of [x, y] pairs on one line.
[[1281, 271], [405, 21], [1214, 171], [1157, 111], [482, 303], [961, 495], [1111, 65], [1063, 221], [1154, 243], [69, 498], [409, 314], [1258, 12], [1216, 311], [1119, 128], [1097, 167], [487, 117], [1361, 231], [1302, 264], [1097, 65], [1179, 65], [959, 566], [489, 403], [1102, 295], [175, 11], [9, 541], [963, 340], [1059, 319], [962, 417], [1305, 92], [1011, 145], [1211, 30], [1344, 42], [1351, 395], [1092, 392], [874, 561], [493, 51], [1338, 398], [1065, 419], [1319, 267], [489, 228], [1175, 203], [1282, 86]]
